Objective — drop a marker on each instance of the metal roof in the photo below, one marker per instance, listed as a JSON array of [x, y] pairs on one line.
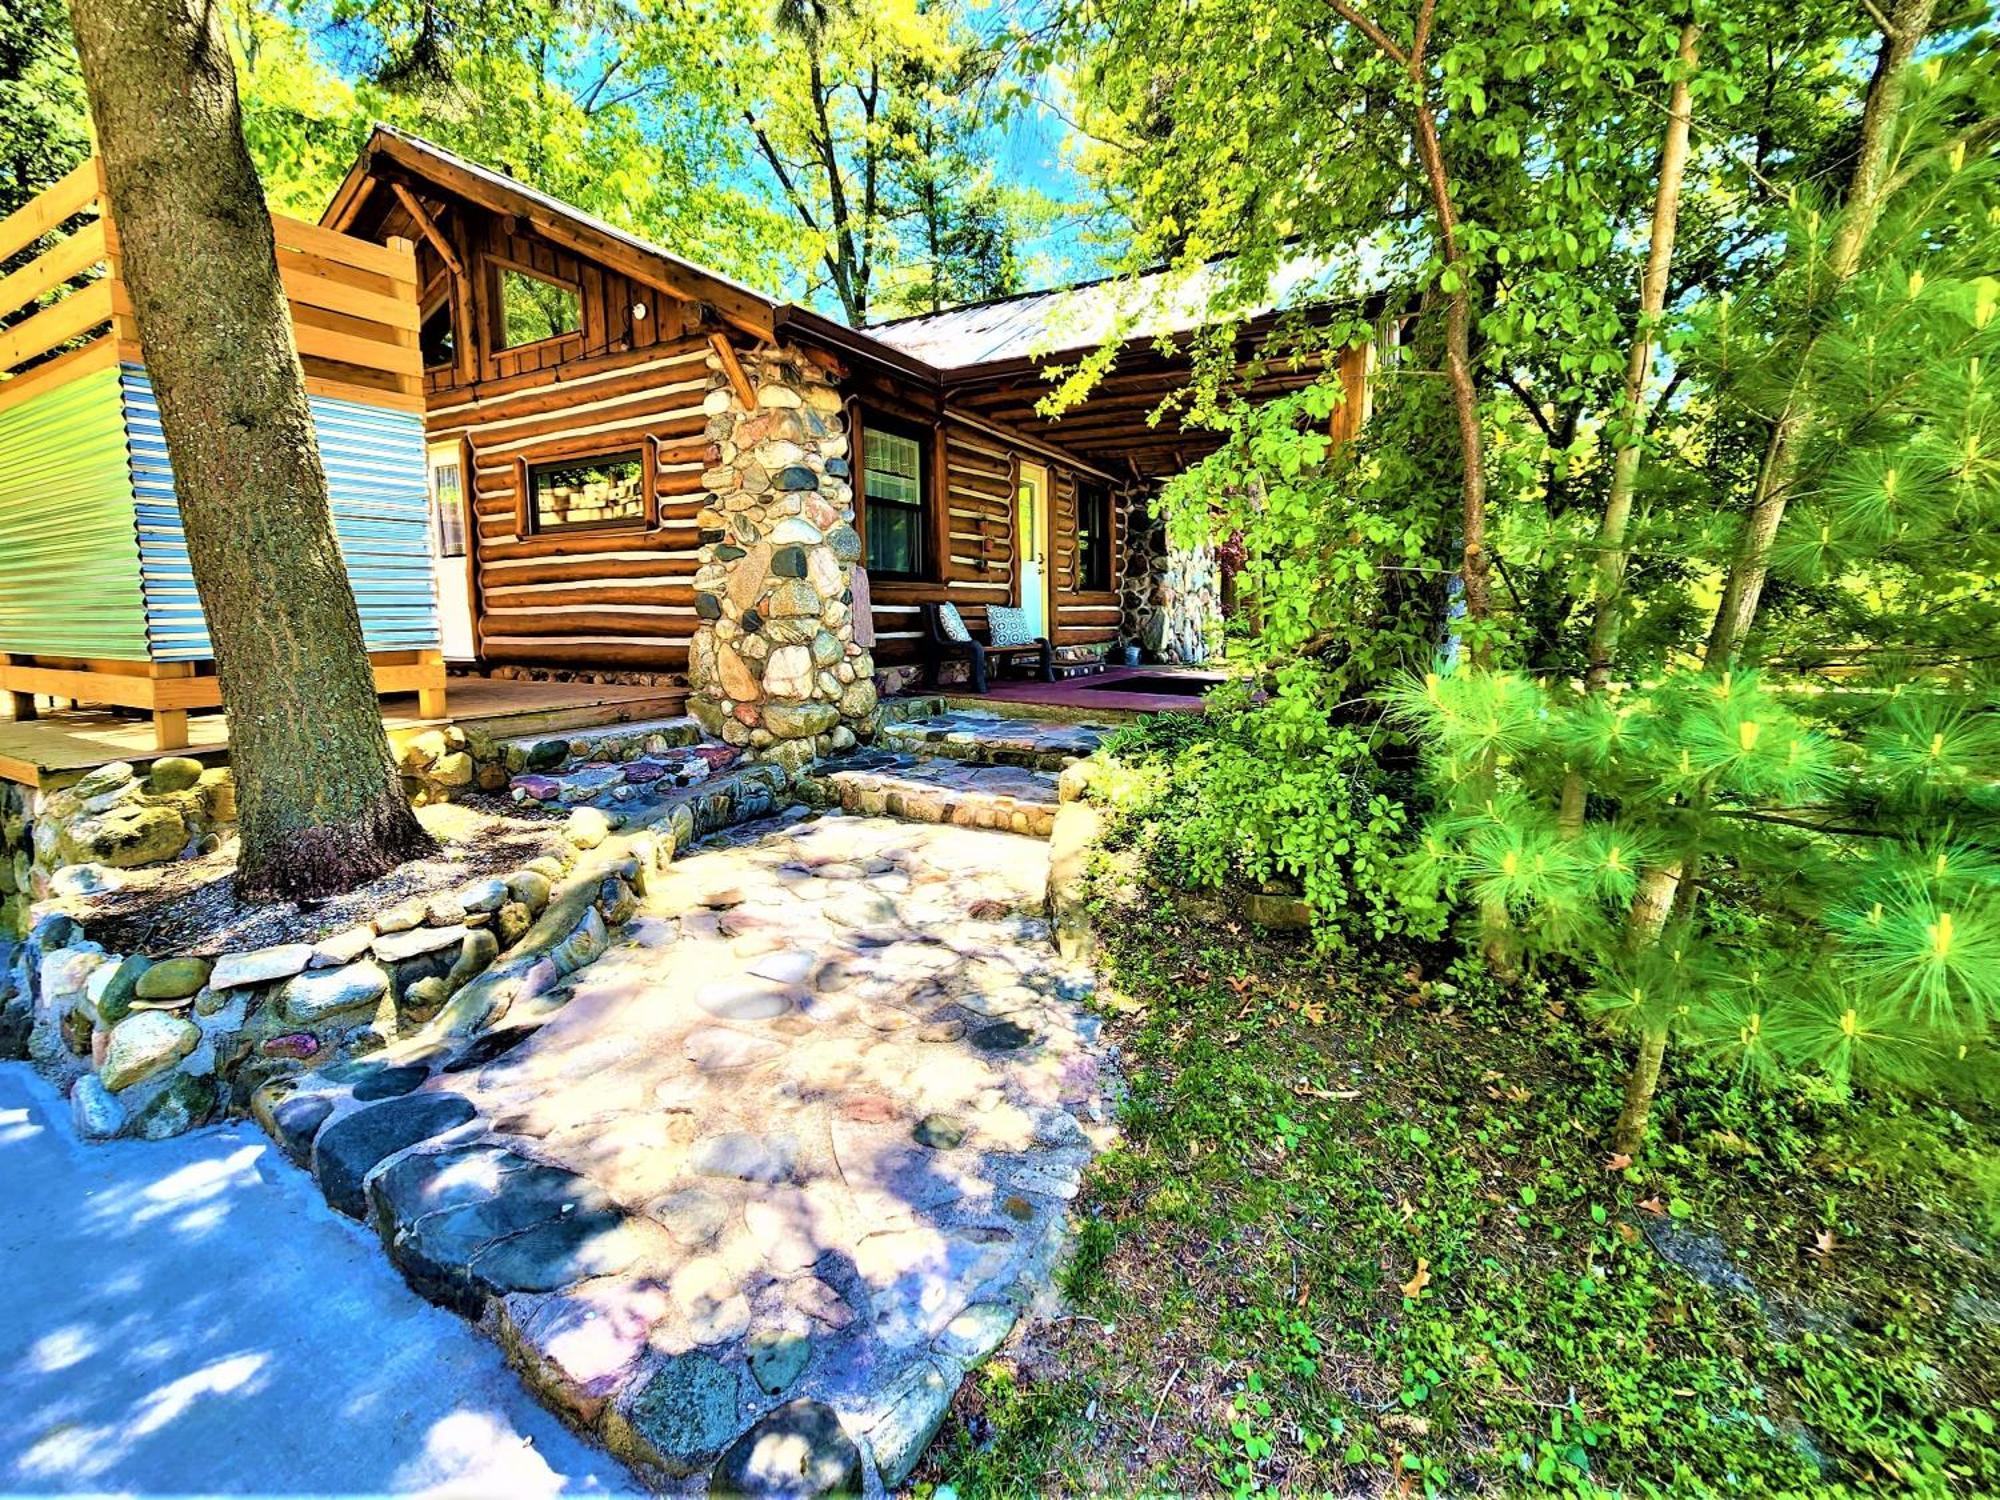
[[1142, 306]]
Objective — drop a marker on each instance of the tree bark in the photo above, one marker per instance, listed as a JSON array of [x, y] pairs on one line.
[[1613, 556], [1640, 1085], [1867, 193], [321, 807]]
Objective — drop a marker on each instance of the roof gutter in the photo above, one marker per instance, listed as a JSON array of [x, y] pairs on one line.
[[824, 330]]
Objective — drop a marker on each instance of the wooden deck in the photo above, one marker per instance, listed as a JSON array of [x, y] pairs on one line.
[[1116, 692], [63, 744]]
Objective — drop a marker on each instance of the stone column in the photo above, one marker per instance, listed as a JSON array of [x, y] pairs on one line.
[[774, 666]]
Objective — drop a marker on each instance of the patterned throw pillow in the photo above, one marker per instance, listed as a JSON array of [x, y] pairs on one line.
[[953, 624], [1009, 626]]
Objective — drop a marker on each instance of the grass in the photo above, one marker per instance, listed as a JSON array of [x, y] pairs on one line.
[[1362, 1235]]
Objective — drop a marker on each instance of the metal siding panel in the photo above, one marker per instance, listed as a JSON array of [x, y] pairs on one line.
[[69, 567], [379, 486]]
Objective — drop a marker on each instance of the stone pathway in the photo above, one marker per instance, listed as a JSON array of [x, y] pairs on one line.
[[994, 739], [186, 1317], [749, 1195], [1009, 798]]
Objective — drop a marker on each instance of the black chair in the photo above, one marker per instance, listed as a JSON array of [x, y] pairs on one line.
[[940, 648]]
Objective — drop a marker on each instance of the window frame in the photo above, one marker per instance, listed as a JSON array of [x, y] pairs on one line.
[[917, 433], [1086, 582], [442, 303], [529, 466], [497, 267]]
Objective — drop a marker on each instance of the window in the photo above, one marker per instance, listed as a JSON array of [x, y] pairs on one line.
[[596, 493], [437, 338], [892, 475], [1093, 536], [447, 511], [533, 308]]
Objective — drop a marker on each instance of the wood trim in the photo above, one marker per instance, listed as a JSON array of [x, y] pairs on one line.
[[422, 219], [733, 368], [51, 208], [101, 353], [857, 474], [649, 481], [345, 249], [54, 266], [524, 500], [937, 505], [74, 315]]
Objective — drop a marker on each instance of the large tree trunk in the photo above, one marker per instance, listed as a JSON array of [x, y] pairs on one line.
[[321, 807]]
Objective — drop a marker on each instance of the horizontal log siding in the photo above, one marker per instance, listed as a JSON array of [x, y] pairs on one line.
[[69, 560], [375, 477], [980, 567], [582, 599], [1083, 617]]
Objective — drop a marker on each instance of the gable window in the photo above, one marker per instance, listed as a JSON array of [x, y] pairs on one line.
[[600, 493], [437, 338], [1093, 536], [892, 479], [534, 307]]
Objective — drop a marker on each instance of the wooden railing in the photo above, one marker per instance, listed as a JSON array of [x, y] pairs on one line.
[[354, 303]]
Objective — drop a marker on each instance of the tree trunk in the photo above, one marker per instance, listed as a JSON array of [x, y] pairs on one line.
[[1640, 1085], [1613, 555], [1867, 192], [321, 806]]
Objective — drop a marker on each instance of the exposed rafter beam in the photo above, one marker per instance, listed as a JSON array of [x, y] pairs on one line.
[[415, 209]]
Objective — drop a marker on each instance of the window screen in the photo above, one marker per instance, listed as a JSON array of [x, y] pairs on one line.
[[448, 510], [892, 467], [1093, 536]]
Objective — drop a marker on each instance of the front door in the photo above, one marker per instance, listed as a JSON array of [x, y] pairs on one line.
[[449, 563], [1031, 528]]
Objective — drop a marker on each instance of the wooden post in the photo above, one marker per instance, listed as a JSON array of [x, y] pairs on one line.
[[430, 700], [20, 706], [170, 729]]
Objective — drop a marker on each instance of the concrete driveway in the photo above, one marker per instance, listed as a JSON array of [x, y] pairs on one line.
[[189, 1317]]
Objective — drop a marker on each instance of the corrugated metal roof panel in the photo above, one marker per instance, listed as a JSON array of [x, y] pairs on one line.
[[69, 564], [1134, 307], [376, 478]]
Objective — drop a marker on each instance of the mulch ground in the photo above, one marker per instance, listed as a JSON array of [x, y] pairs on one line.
[[191, 906]]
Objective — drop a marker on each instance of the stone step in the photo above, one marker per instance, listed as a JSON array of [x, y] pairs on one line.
[[993, 739], [606, 783], [1010, 799], [561, 750]]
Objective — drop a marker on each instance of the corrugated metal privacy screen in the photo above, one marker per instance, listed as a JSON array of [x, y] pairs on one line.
[[374, 460], [69, 567]]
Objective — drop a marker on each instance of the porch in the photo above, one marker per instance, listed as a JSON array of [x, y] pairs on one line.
[[63, 744]]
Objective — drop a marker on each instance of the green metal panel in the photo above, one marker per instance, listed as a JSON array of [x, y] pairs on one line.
[[69, 553]]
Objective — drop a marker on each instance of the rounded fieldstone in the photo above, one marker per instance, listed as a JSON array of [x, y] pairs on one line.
[[351, 1147], [741, 1000], [1002, 1036], [173, 979], [777, 1358], [798, 1450], [142, 1044], [173, 773], [939, 1132], [681, 1415]]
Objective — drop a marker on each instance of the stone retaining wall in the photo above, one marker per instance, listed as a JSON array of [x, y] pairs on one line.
[[75, 839], [774, 666], [1170, 598], [152, 1045]]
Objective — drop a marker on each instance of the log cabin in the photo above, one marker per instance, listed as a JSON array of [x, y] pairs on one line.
[[573, 379]]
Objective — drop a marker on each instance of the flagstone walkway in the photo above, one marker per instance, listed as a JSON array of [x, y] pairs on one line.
[[793, 1156]]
